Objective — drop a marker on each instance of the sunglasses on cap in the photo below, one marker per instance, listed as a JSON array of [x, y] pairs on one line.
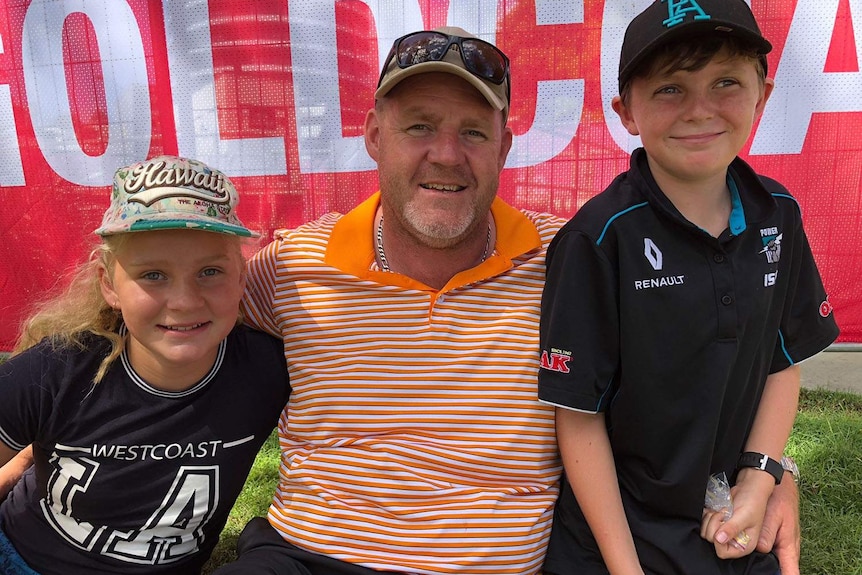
[[482, 59]]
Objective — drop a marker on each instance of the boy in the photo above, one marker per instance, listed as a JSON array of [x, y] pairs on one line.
[[677, 306]]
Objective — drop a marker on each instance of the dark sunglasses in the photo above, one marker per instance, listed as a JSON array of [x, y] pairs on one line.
[[480, 58]]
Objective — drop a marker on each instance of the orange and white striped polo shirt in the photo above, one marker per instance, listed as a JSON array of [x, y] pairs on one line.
[[413, 440]]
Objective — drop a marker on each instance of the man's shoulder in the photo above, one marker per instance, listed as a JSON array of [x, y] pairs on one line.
[[308, 240], [322, 226], [547, 224], [544, 219]]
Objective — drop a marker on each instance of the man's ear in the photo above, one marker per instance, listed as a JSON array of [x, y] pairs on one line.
[[625, 114], [372, 133], [505, 146]]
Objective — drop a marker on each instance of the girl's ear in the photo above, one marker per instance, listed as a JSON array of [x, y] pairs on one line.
[[105, 284]]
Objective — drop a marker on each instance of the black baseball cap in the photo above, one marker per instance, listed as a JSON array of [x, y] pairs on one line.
[[666, 21]]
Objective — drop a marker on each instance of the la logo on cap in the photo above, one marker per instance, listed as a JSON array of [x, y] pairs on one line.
[[678, 9]]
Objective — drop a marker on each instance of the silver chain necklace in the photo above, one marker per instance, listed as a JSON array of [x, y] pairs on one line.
[[384, 264]]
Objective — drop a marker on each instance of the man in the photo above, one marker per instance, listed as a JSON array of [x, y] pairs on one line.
[[413, 441]]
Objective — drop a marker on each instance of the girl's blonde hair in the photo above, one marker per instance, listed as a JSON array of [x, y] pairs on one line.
[[179, 193], [79, 310]]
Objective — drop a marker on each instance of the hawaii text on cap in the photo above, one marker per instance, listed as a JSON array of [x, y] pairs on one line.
[[169, 192]]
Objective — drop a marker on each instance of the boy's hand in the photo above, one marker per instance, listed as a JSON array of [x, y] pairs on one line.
[[739, 545], [780, 532], [738, 536]]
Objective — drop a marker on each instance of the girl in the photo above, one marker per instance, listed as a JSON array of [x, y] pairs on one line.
[[144, 399]]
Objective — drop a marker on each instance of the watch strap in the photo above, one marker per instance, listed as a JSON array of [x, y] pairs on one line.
[[762, 462]]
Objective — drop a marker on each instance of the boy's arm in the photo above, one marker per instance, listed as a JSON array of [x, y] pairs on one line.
[[769, 433], [589, 465]]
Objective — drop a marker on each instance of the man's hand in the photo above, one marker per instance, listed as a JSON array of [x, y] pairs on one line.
[[13, 467], [780, 532]]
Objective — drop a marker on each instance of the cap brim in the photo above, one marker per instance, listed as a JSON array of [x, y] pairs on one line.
[[439, 66], [150, 224]]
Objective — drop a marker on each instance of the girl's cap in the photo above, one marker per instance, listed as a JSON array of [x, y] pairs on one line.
[[169, 192]]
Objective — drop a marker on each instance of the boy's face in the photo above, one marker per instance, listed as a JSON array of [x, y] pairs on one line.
[[693, 123]]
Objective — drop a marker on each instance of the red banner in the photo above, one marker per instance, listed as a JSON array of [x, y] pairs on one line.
[[274, 93]]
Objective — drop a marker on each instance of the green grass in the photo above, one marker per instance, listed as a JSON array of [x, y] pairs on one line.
[[827, 445], [254, 501]]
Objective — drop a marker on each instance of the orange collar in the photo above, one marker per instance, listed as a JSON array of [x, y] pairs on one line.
[[351, 246]]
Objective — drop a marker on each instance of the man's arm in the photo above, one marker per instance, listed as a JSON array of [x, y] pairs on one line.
[[12, 467], [780, 532]]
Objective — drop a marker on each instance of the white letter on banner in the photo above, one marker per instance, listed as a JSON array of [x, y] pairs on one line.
[[317, 98], [801, 86], [615, 20], [190, 59], [559, 103], [11, 169], [126, 87]]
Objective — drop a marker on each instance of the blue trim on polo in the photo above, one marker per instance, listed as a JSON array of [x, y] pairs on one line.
[[791, 198], [784, 349], [602, 399], [614, 217], [737, 212]]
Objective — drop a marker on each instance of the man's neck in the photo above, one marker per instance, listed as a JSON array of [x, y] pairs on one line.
[[407, 255]]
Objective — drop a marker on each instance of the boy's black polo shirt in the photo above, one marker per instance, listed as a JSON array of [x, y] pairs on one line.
[[672, 333]]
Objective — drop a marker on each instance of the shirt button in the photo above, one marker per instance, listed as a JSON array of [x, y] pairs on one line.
[[719, 258], [726, 299]]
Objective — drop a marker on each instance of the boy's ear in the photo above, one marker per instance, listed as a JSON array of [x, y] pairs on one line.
[[768, 86], [624, 112]]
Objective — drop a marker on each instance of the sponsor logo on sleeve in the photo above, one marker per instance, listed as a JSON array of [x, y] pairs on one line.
[[825, 308], [556, 360]]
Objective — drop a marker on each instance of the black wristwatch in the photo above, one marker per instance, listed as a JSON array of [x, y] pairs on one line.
[[762, 462]]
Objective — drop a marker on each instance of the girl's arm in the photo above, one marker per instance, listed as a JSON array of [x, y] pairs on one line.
[[769, 433], [12, 466], [589, 465]]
